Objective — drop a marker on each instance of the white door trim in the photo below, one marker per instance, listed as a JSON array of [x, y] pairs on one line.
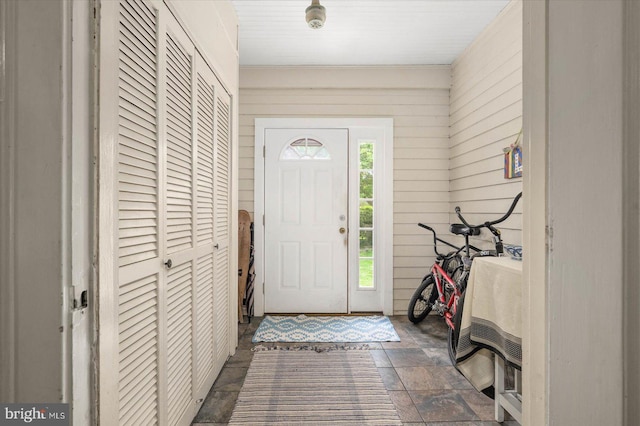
[[535, 270], [7, 203], [384, 197]]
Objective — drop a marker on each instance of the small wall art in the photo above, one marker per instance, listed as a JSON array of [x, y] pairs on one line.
[[513, 159]]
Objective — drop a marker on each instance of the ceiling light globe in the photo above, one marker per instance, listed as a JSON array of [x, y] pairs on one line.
[[316, 15]]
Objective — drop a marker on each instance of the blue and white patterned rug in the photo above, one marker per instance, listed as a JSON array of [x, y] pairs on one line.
[[325, 329]]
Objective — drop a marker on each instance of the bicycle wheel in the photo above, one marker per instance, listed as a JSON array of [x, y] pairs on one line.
[[454, 333], [451, 264], [422, 300]]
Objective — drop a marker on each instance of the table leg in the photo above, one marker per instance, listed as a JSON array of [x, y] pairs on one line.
[[498, 385], [508, 400]]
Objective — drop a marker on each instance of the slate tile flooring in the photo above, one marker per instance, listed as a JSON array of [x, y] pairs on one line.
[[416, 371]]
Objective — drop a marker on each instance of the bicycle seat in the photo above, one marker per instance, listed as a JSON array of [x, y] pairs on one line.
[[460, 229]]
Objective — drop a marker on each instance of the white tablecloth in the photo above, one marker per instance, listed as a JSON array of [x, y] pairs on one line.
[[491, 319]]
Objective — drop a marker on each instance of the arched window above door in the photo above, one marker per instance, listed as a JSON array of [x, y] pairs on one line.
[[305, 149]]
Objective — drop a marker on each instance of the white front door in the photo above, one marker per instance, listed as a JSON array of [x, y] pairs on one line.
[[306, 220]]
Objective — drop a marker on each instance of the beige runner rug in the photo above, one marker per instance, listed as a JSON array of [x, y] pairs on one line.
[[309, 387]]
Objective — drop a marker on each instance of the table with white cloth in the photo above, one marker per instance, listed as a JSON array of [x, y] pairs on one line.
[[492, 324]]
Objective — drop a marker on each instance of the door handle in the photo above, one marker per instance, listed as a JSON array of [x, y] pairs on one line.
[[343, 230], [168, 264]]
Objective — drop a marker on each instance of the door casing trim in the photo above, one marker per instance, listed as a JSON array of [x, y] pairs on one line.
[[384, 197]]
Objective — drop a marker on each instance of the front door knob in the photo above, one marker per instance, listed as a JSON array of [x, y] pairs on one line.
[[343, 230]]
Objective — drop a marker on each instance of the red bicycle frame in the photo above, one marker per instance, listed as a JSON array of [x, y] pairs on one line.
[[438, 272]]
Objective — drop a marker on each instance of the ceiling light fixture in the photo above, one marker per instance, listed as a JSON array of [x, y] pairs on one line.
[[316, 15]]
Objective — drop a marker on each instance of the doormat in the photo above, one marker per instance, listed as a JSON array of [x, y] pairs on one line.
[[310, 388], [322, 347], [325, 329]]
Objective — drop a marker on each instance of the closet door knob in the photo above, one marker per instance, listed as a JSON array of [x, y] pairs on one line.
[[168, 264]]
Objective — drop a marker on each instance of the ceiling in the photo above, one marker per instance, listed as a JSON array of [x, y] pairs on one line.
[[359, 32]]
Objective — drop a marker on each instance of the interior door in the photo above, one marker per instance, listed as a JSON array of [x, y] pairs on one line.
[[306, 220], [222, 225], [131, 373]]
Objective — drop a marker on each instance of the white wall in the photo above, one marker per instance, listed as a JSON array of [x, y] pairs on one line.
[[631, 211], [585, 285], [32, 188], [417, 98], [485, 117], [583, 78]]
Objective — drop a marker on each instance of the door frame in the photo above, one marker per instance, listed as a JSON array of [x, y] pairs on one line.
[[383, 175]]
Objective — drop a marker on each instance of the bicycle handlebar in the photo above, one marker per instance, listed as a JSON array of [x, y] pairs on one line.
[[436, 239], [488, 225], [422, 225], [494, 222]]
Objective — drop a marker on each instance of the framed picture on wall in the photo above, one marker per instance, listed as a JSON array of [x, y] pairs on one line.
[[513, 160]]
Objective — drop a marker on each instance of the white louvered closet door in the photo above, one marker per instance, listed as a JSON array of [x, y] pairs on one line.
[[205, 331], [222, 222], [180, 224], [140, 276], [164, 315]]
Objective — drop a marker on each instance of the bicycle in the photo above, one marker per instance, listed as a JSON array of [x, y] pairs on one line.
[[442, 289]]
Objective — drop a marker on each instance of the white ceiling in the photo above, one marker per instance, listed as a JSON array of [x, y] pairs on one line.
[[359, 32]]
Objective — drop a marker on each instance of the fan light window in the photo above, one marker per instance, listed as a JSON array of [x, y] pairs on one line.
[[305, 149]]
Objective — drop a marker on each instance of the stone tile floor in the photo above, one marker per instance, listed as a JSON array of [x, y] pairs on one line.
[[425, 388]]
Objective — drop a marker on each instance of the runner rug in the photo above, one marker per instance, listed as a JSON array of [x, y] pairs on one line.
[[325, 329], [307, 387]]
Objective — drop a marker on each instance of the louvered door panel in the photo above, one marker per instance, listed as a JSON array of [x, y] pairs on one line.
[[138, 352], [221, 305], [179, 206], [137, 171], [222, 166], [205, 124], [179, 339], [222, 190], [204, 321], [137, 134], [179, 197]]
